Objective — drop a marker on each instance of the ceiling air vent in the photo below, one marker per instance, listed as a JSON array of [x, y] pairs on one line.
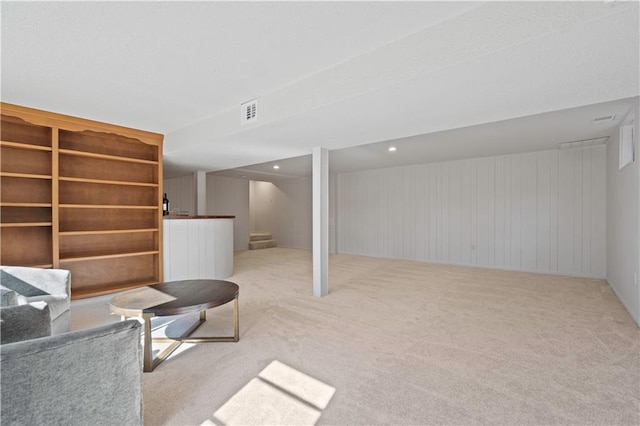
[[604, 119], [584, 143], [249, 112]]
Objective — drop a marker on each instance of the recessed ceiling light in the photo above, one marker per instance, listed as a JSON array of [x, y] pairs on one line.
[[392, 149], [276, 167]]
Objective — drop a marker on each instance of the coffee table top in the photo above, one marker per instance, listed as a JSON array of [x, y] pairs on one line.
[[174, 298]]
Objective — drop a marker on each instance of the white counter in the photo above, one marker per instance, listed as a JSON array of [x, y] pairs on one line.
[[197, 247]]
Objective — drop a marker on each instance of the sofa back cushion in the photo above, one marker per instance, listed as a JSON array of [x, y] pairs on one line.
[[21, 287], [85, 377]]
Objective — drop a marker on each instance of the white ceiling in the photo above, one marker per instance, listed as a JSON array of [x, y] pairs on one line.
[[332, 74], [532, 133]]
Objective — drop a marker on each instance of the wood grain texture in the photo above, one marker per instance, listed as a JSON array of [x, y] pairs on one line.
[[64, 174]]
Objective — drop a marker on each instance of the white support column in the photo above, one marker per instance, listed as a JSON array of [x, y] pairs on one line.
[[200, 179], [320, 221]]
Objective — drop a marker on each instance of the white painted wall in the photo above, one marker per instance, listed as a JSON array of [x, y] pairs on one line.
[[230, 196], [181, 193], [541, 212], [262, 208], [284, 209], [623, 227]]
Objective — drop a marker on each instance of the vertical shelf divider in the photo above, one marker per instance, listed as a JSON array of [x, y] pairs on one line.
[[55, 197]]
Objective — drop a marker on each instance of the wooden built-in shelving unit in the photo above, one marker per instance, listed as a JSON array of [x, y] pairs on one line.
[[81, 195]]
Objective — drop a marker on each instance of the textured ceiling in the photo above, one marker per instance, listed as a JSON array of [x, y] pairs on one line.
[[333, 74]]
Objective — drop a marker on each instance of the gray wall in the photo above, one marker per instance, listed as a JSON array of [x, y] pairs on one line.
[[284, 209], [542, 212], [623, 224], [230, 196], [181, 193]]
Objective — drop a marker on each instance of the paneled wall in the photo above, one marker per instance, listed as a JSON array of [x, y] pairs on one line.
[[623, 222], [541, 211]]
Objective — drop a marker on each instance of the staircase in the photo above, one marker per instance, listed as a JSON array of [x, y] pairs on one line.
[[261, 240]]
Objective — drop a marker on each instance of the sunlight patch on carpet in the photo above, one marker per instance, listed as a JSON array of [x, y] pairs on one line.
[[279, 395]]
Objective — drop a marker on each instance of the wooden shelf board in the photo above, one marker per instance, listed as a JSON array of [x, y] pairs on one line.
[[109, 288], [25, 175], [25, 204], [39, 265], [25, 146], [24, 225], [105, 156], [108, 231], [106, 182], [107, 256], [107, 206]]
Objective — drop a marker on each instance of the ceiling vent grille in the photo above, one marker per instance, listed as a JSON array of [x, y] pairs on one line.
[[604, 119], [249, 112], [584, 143]]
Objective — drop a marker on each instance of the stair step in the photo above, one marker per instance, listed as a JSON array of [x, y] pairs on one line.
[[260, 236], [262, 244]]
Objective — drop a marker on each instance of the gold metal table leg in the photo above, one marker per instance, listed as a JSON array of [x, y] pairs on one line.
[[147, 347], [150, 362]]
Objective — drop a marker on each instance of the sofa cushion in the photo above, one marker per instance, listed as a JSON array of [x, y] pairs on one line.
[[19, 286], [23, 322], [8, 297]]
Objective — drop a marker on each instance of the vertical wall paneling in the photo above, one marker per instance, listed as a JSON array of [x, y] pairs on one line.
[[553, 210], [577, 208], [454, 216], [541, 211], [419, 213], [528, 210], [474, 212], [598, 209], [409, 203], [465, 212], [516, 211], [507, 211], [566, 204], [433, 212], [491, 212], [543, 197], [499, 213], [482, 216], [586, 212]]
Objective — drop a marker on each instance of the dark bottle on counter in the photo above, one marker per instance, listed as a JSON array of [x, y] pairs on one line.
[[165, 205]]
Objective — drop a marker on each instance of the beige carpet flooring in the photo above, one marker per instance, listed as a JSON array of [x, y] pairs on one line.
[[406, 342]]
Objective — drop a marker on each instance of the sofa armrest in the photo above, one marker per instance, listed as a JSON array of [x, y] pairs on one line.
[[23, 322], [52, 286], [85, 377], [56, 282]]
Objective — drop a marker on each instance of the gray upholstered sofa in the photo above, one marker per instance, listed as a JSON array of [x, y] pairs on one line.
[[21, 285], [86, 377]]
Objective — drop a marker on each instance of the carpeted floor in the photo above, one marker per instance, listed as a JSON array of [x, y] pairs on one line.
[[405, 342]]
